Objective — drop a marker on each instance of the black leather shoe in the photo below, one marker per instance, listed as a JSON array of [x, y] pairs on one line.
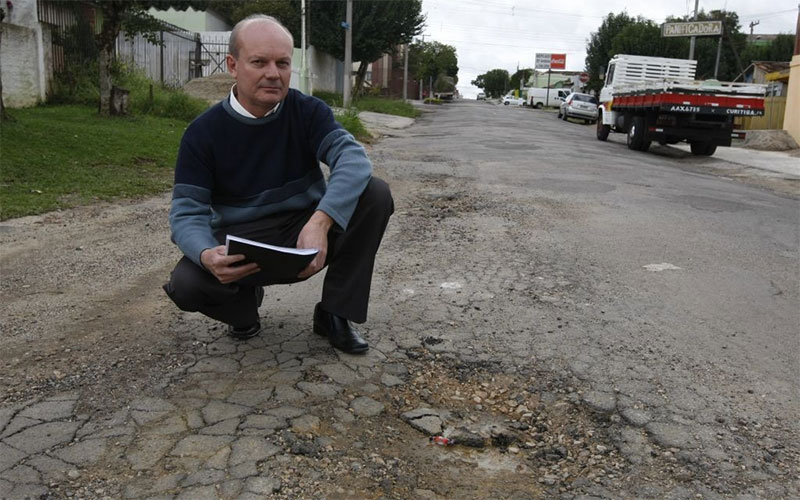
[[245, 332], [341, 333]]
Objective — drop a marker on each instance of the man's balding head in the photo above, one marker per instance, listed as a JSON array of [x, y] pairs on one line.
[[233, 44]]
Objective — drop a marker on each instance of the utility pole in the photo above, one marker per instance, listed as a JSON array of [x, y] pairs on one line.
[[303, 61], [405, 72], [348, 54], [691, 43]]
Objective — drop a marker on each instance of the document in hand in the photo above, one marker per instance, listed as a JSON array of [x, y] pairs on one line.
[[278, 264]]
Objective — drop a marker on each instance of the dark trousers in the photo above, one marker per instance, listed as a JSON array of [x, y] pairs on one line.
[[350, 260]]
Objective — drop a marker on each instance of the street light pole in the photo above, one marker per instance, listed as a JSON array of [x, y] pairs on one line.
[[348, 55], [691, 43], [303, 61], [405, 73]]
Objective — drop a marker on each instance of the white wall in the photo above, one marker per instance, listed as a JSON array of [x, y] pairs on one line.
[[24, 50], [324, 71]]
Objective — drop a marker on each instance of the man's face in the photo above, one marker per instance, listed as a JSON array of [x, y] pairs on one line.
[[263, 67]]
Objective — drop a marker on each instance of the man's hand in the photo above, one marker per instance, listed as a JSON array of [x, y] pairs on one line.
[[221, 265], [315, 235]]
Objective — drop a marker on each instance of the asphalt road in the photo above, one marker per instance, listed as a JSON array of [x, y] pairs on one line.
[[585, 322], [669, 289]]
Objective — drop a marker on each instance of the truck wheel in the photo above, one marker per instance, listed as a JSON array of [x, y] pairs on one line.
[[538, 105], [636, 133], [702, 148], [602, 130]]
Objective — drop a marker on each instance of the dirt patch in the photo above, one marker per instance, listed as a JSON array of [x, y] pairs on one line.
[[211, 89]]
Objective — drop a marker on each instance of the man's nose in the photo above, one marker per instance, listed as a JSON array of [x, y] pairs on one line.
[[271, 71]]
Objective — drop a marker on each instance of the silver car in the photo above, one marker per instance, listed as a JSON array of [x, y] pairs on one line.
[[578, 105]]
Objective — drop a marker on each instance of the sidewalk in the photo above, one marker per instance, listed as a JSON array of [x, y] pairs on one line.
[[780, 162]]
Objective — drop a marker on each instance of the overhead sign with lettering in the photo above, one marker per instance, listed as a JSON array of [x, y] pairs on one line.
[[694, 28], [551, 61]]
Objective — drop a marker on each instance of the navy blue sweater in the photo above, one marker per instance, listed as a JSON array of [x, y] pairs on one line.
[[233, 169]]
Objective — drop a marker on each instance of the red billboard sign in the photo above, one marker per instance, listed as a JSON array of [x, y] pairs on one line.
[[558, 61]]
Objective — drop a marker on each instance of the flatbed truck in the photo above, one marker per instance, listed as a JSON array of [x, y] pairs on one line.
[[658, 99]]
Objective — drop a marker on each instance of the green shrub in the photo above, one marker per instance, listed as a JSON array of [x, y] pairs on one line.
[[148, 97], [80, 85], [332, 99], [77, 84], [389, 106], [432, 100], [352, 123]]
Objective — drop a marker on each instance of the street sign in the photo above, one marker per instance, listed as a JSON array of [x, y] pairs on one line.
[[584, 77], [551, 61], [694, 28]]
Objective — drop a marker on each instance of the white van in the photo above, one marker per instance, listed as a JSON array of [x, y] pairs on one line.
[[540, 97]]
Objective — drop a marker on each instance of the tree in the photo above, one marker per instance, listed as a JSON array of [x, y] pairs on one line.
[[779, 49], [131, 15], [705, 52], [520, 78], [599, 49], [288, 12], [643, 38], [379, 26], [494, 82], [429, 61]]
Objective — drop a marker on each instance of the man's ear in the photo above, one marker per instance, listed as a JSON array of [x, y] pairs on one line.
[[231, 62]]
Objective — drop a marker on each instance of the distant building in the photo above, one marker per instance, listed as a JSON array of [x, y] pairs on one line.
[[192, 20], [764, 72], [386, 74], [557, 80]]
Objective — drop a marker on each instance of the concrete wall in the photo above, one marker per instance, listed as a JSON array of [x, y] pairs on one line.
[[791, 121], [25, 53], [322, 69]]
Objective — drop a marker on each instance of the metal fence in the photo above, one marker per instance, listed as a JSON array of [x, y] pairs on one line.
[[179, 57]]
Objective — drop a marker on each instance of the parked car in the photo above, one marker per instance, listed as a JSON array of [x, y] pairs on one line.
[[481, 96], [510, 99], [578, 105]]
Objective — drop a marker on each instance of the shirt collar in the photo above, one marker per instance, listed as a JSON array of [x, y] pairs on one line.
[[237, 106]]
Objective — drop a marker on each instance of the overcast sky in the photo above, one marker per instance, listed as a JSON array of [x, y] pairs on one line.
[[490, 34]]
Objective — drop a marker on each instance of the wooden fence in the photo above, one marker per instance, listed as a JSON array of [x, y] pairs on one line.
[[774, 111]]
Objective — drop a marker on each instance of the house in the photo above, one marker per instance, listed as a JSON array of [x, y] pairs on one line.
[[192, 20], [759, 72], [555, 80]]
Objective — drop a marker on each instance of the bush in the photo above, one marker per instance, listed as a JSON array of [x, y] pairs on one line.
[[352, 123], [397, 107], [80, 85], [432, 100], [375, 104], [164, 102], [332, 99]]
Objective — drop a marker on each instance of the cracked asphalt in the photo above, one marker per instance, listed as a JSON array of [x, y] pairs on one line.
[[580, 321]]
